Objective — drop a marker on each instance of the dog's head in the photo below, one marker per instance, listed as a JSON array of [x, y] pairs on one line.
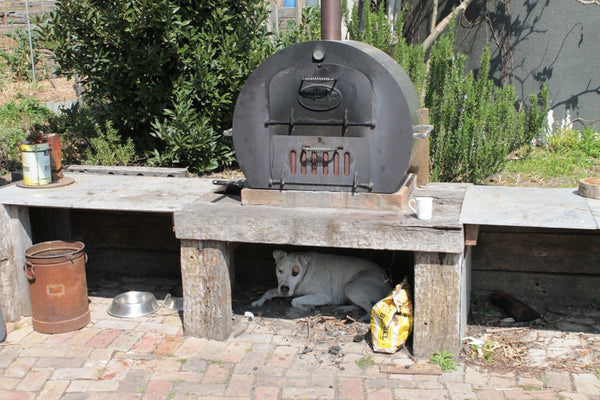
[[290, 269]]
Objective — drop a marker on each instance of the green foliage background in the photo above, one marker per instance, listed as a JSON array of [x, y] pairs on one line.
[[476, 125], [161, 78], [162, 73]]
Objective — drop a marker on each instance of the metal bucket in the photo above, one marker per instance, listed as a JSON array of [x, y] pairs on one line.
[[57, 286], [36, 164]]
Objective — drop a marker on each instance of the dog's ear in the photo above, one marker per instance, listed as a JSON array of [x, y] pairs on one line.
[[279, 254], [303, 258]]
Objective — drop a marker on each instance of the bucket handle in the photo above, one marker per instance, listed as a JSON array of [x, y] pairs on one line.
[[29, 267], [69, 257], [29, 270]]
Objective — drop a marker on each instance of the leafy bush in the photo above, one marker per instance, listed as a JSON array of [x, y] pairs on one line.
[[107, 149], [586, 142], [18, 57], [137, 59], [16, 119], [377, 30], [188, 137], [476, 126], [308, 29]]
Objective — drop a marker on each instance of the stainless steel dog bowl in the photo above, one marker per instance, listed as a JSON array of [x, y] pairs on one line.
[[173, 302], [133, 304]]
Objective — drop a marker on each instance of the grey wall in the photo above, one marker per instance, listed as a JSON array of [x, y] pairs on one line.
[[536, 41]]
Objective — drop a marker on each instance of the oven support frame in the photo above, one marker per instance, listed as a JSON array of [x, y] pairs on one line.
[[209, 232], [439, 315]]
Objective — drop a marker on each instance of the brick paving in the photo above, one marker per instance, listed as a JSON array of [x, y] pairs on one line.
[[148, 358]]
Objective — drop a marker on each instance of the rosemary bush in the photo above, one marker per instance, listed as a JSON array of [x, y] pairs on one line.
[[477, 125]]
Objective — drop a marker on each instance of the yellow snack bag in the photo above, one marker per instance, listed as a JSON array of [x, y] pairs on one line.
[[392, 320]]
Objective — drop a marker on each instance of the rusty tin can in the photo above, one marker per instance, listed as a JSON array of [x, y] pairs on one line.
[[55, 155], [57, 286]]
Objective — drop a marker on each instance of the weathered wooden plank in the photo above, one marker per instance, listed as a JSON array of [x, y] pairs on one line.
[[224, 220], [471, 234], [130, 170], [113, 192], [552, 252], [438, 290], [348, 228], [16, 238], [120, 230], [551, 290], [207, 276]]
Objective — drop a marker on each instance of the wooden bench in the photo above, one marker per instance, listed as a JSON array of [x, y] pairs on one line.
[[541, 245], [209, 231]]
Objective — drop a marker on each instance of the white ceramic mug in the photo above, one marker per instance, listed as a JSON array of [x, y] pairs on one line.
[[422, 206]]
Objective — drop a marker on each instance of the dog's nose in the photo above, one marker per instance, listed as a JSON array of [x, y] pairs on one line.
[[284, 289]]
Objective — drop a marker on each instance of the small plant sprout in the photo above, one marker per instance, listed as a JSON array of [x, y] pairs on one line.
[[444, 359], [485, 350], [366, 361]]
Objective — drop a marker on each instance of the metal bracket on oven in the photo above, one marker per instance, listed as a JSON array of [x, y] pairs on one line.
[[344, 123], [356, 185], [281, 182]]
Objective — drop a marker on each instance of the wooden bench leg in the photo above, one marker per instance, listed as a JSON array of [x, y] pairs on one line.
[[15, 238], [439, 295], [207, 276]]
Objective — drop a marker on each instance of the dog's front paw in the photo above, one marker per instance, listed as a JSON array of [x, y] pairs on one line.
[[257, 303], [297, 303]]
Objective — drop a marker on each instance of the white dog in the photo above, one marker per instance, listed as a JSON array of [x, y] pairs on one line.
[[316, 279]]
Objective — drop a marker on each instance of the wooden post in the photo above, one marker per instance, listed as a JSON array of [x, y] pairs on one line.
[[438, 296], [299, 7], [419, 156], [15, 239], [207, 276], [274, 17]]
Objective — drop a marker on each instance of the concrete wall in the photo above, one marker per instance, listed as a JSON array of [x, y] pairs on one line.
[[556, 42]]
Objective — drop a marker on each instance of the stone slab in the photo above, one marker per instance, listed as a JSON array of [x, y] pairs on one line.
[[113, 192], [529, 207]]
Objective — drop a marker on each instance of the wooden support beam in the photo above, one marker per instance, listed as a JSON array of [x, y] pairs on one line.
[[438, 292], [14, 296], [471, 233], [207, 276]]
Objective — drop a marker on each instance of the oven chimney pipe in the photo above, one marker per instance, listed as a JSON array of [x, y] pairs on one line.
[[331, 19]]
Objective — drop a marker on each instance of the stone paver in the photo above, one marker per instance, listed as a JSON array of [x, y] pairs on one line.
[[140, 359]]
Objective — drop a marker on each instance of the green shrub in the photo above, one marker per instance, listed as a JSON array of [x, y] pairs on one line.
[[308, 29], [586, 142], [377, 30], [188, 136], [16, 119], [135, 58], [18, 57], [107, 147], [476, 125]]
